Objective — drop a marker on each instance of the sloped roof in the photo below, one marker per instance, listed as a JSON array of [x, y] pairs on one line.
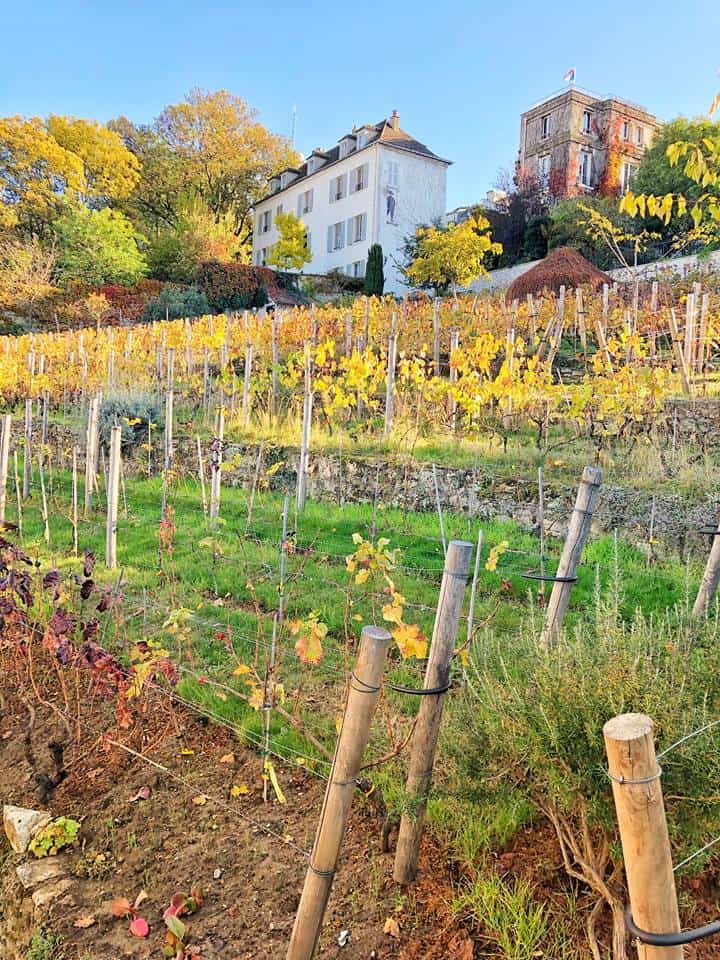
[[382, 132]]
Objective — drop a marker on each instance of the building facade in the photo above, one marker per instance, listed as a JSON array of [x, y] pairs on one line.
[[377, 185], [576, 142]]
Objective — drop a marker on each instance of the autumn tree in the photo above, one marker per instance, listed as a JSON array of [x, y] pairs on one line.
[[98, 246], [26, 273], [290, 251], [452, 256]]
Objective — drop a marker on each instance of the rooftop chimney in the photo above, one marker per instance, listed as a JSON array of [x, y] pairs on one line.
[[395, 120]]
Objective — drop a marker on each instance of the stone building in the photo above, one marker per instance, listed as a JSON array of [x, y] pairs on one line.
[[576, 142], [376, 185]]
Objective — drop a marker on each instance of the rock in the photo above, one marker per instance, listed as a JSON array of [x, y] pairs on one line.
[[49, 893], [36, 872], [21, 825]]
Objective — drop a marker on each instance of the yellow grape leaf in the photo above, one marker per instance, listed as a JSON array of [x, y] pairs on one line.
[[362, 575], [227, 758], [241, 670], [392, 612], [220, 695], [274, 781], [186, 752], [239, 790], [200, 800], [410, 640], [357, 617], [256, 698]]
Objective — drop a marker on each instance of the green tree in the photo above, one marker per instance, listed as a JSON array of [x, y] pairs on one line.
[[374, 272], [98, 246], [290, 251], [452, 256]]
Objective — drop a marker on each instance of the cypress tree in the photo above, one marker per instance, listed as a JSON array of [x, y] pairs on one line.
[[374, 275]]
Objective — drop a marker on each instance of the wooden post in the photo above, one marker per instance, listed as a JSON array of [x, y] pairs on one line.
[[169, 411], [454, 345], [689, 346], [636, 788], [390, 381], [710, 579], [18, 496], [113, 496], [427, 727], [91, 452], [578, 529], [436, 336], [201, 473], [275, 364], [216, 464], [74, 505], [4, 461], [43, 499], [679, 353], [246, 384], [348, 334], [306, 428], [362, 697], [27, 450]]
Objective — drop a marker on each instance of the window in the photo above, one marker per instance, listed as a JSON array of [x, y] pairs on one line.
[[346, 146], [358, 268], [359, 178], [587, 120], [305, 203], [640, 136], [361, 139], [543, 167], [627, 172], [308, 241], [393, 173], [545, 126], [278, 209], [626, 130], [265, 221], [336, 236], [261, 256], [357, 228], [585, 173], [338, 187]]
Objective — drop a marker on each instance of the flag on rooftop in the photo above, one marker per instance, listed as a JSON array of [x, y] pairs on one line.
[[569, 76]]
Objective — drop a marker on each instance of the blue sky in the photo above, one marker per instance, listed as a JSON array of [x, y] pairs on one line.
[[459, 73]]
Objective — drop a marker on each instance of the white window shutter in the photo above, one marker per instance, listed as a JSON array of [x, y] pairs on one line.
[[343, 185], [350, 237], [310, 199], [363, 226], [330, 240], [332, 190], [299, 206], [354, 180], [342, 234]]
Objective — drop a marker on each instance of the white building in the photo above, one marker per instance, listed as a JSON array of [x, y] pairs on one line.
[[377, 185]]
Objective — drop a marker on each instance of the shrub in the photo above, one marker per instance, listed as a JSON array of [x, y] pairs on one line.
[[176, 302], [374, 274], [234, 286], [133, 411], [128, 303]]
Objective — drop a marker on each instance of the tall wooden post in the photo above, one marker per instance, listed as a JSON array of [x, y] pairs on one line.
[[390, 380], [306, 428], [275, 348], [74, 504], [710, 579], [4, 461], [216, 464], [578, 530], [362, 697], [91, 451], [246, 384], [636, 788], [113, 496], [454, 346], [427, 727], [27, 449], [436, 336]]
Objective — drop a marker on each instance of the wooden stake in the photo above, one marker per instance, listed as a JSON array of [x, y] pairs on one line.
[[18, 497], [390, 381], [710, 579], [636, 788], [113, 496], [91, 452], [74, 505], [216, 464], [427, 727], [362, 697], [43, 499], [27, 455], [436, 336], [578, 529], [679, 353], [201, 473], [306, 428], [4, 462], [246, 384], [275, 364]]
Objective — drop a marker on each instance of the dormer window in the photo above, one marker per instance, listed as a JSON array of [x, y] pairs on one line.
[[347, 145], [274, 184], [287, 178]]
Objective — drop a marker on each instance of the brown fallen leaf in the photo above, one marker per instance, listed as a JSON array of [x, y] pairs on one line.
[[85, 921], [227, 758], [200, 800], [392, 928]]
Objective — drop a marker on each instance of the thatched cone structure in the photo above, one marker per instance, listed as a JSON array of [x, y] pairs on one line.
[[561, 267]]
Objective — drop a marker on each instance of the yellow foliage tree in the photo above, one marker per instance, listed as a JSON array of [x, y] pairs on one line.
[[290, 252], [452, 256]]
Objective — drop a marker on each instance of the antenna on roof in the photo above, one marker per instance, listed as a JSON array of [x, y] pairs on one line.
[[294, 124]]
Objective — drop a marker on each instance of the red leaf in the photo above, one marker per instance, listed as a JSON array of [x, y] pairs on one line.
[[139, 927]]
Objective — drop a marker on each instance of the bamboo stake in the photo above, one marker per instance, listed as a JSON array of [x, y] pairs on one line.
[[4, 462], [635, 777], [113, 495], [306, 429], [91, 452], [578, 530], [275, 364], [427, 727], [27, 455], [362, 697]]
